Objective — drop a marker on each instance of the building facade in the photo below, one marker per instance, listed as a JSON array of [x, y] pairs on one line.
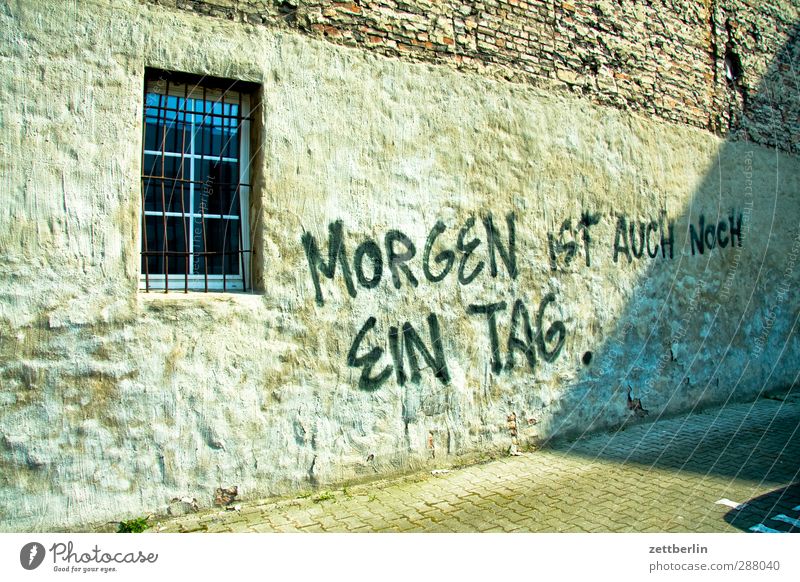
[[287, 245]]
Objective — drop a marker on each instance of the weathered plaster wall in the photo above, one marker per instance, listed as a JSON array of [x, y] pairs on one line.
[[113, 402], [665, 58]]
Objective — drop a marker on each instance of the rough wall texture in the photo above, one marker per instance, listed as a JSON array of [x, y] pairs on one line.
[[643, 253], [665, 58]]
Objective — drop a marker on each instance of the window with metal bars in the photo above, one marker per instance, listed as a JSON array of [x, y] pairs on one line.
[[195, 184]]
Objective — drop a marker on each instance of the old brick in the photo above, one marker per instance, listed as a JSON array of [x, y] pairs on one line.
[[348, 7]]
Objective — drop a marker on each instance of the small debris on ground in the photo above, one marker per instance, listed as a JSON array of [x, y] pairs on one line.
[[182, 506], [728, 503], [226, 496]]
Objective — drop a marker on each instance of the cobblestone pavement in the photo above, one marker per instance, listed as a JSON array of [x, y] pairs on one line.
[[660, 476]]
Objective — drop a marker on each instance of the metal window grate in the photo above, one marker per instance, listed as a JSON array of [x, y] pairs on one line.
[[195, 185]]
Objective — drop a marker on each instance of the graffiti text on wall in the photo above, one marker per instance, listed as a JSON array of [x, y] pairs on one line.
[[483, 247]]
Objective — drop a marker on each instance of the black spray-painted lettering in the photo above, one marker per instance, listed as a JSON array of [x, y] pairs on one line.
[[586, 222], [397, 261], [722, 238], [708, 236], [370, 249], [489, 311], [467, 250], [336, 252], [526, 346], [396, 347], [621, 239], [697, 239], [414, 346], [566, 251], [669, 241], [367, 361], [558, 248], [435, 360], [652, 226], [636, 238], [736, 229], [447, 257], [556, 332], [507, 253], [400, 250], [637, 252], [556, 329]]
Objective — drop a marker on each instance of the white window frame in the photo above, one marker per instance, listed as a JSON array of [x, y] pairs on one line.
[[176, 282]]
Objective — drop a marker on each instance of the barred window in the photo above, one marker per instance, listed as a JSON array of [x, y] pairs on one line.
[[195, 184]]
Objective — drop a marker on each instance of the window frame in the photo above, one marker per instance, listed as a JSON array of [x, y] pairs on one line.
[[206, 90]]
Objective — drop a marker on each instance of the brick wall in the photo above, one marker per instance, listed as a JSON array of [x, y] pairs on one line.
[[664, 58]]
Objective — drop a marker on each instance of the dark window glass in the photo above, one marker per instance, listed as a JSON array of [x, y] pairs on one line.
[[176, 231], [222, 240], [191, 185]]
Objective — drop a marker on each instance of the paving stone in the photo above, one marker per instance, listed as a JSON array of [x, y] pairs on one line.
[[660, 477]]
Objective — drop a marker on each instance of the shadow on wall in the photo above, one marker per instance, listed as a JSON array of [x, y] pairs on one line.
[[718, 322]]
